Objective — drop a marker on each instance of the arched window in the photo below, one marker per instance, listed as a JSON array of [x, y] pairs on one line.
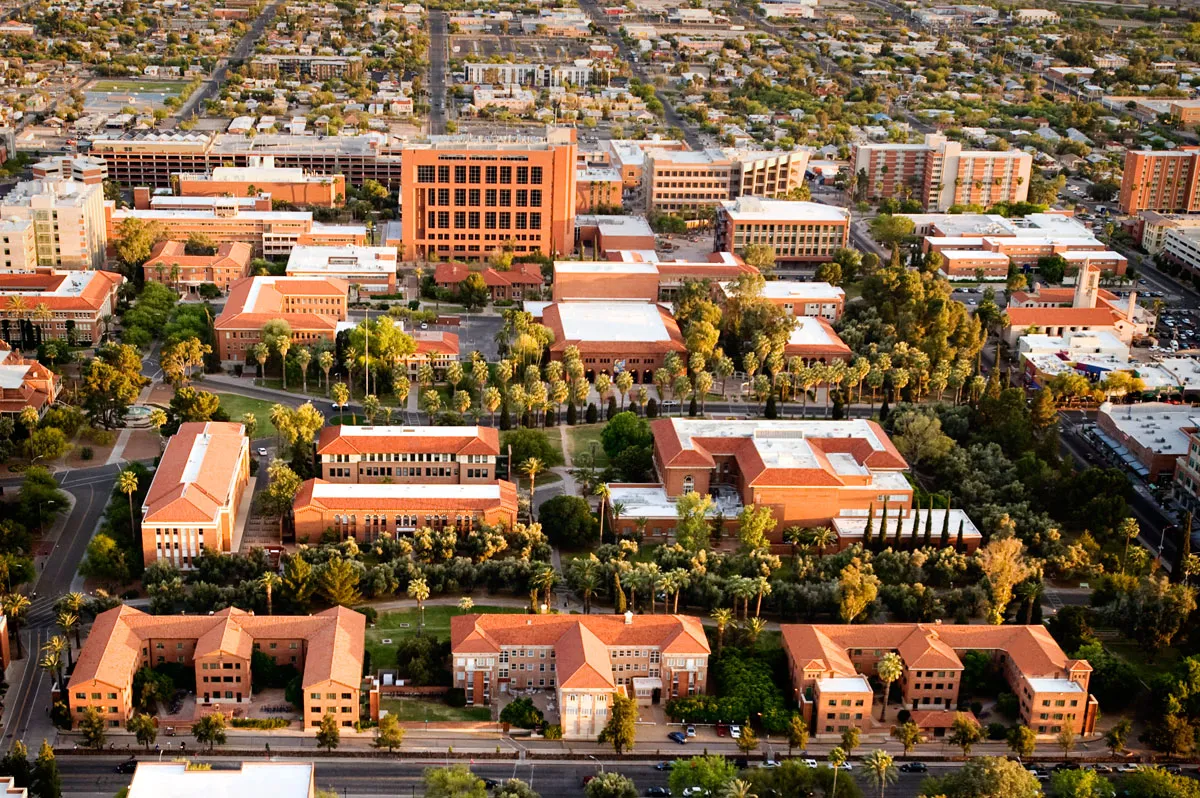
[[689, 485]]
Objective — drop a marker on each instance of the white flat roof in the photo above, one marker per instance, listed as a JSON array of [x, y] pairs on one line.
[[611, 225], [649, 502], [174, 780], [330, 490], [401, 431], [1077, 254], [603, 267], [855, 526], [1051, 685], [844, 684], [780, 444], [974, 254], [797, 289], [605, 321], [1154, 425], [811, 332], [342, 260], [12, 377], [72, 286], [748, 209]]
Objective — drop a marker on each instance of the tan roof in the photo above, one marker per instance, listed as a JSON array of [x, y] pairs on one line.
[[581, 642], [173, 253], [924, 646], [408, 439], [197, 473], [334, 652], [1065, 317]]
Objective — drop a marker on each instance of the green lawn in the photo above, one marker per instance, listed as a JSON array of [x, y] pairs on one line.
[[134, 86], [417, 709], [1133, 653], [236, 406], [580, 440], [437, 624]]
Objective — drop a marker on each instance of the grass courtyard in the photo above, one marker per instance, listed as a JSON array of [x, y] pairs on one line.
[[237, 406], [135, 86], [399, 624], [580, 440], [416, 709]]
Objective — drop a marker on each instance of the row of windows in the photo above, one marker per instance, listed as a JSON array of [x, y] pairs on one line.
[[489, 220], [474, 175], [490, 198]]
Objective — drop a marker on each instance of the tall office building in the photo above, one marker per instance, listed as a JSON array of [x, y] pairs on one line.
[[68, 221], [1161, 180], [465, 197]]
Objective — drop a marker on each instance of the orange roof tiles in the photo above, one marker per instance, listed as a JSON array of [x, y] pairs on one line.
[[196, 474], [112, 651], [172, 253], [253, 301], [581, 642], [1062, 317], [500, 495], [60, 290], [1030, 648], [404, 439]]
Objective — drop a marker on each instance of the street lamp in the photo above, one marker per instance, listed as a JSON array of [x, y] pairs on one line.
[[597, 761]]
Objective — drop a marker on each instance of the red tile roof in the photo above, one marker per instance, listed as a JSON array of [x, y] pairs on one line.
[[395, 440], [1061, 317], [196, 474]]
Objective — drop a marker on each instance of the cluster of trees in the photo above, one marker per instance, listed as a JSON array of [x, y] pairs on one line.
[[40, 777], [114, 555]]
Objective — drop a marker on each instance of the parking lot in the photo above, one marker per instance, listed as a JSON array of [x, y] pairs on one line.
[[1177, 329], [520, 47]]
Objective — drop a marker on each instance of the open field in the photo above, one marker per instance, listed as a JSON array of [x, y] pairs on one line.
[[236, 406], [394, 626], [416, 709], [580, 440], [138, 86]]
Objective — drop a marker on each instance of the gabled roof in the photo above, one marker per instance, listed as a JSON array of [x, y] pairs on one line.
[[583, 661], [197, 473], [1062, 317], [397, 439]]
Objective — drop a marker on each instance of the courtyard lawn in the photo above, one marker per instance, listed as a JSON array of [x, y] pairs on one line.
[[417, 709], [1135, 654], [399, 624], [237, 406], [580, 440], [135, 86]]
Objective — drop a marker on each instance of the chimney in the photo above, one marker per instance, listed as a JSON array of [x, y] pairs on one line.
[[629, 617]]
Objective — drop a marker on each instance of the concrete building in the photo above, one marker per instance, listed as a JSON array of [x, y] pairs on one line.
[[614, 336], [1149, 437], [365, 511], [178, 780], [314, 67], [543, 76], [170, 265], [684, 182], [799, 232], [68, 221], [18, 246], [1154, 227], [200, 494], [639, 275], [584, 659], [628, 156], [465, 197], [522, 281], [799, 298], [311, 306], [1161, 180], [434, 455], [939, 173], [77, 301], [79, 168], [602, 234], [367, 270], [25, 383], [829, 664], [327, 649], [291, 185], [270, 233]]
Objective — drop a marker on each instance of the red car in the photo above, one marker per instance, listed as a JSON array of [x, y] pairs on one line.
[[722, 729]]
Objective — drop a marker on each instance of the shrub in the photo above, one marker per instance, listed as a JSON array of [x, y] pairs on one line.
[[456, 697], [259, 723], [522, 713], [997, 731], [592, 414], [553, 732], [371, 613], [652, 408], [99, 437], [568, 521], [86, 453]]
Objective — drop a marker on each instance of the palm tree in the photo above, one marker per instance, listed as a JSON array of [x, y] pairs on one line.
[[269, 581], [739, 789], [325, 361], [43, 314], [128, 484], [587, 581], [754, 627], [260, 353], [544, 580], [531, 468], [881, 769], [68, 621], [418, 589], [723, 616], [1029, 592], [795, 535], [821, 538], [303, 357], [74, 604], [889, 669], [763, 588], [837, 758], [603, 492], [51, 661], [15, 606]]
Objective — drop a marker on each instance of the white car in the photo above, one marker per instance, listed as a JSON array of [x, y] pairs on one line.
[[262, 452], [735, 732], [770, 763], [844, 766], [809, 763], [1129, 768], [698, 792], [691, 731]]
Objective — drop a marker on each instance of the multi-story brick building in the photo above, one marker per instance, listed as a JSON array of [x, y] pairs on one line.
[[170, 264], [640, 275], [598, 188], [312, 307], [443, 455], [68, 221], [584, 659], [614, 336], [18, 247], [814, 340], [366, 270], [829, 664], [519, 282], [799, 232], [195, 503], [77, 301], [25, 383], [809, 473], [314, 67], [1161, 180], [367, 510], [799, 298], [940, 174], [685, 182], [79, 168], [292, 185], [327, 649], [464, 197], [153, 159]]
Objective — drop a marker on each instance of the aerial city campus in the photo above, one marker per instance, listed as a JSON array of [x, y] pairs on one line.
[[807, 385]]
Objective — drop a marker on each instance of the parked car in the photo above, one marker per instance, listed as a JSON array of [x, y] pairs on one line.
[[658, 792], [1038, 773], [809, 763], [1061, 766], [662, 766], [1174, 770], [1099, 767], [128, 766], [490, 784], [914, 767], [691, 731], [770, 763], [1129, 767], [697, 792], [678, 737], [735, 732], [722, 729], [845, 766], [262, 452], [586, 780]]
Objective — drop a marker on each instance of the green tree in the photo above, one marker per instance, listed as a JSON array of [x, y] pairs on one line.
[[621, 729], [456, 781], [1115, 737], [760, 256], [754, 525], [711, 773], [985, 777], [1080, 784], [748, 741], [92, 728], [693, 527], [1022, 740], [143, 727], [515, 788], [210, 730], [48, 443], [329, 736], [338, 581], [135, 240], [46, 781], [473, 292], [850, 738], [611, 785], [964, 733], [889, 670], [908, 734], [797, 733], [881, 770], [16, 764], [389, 733]]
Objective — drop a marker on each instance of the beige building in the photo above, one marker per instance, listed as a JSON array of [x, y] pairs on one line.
[[584, 659], [799, 232], [395, 454], [68, 221], [18, 247], [684, 182], [291, 185]]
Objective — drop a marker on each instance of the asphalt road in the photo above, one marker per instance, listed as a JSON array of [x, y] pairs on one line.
[[437, 72], [93, 777]]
